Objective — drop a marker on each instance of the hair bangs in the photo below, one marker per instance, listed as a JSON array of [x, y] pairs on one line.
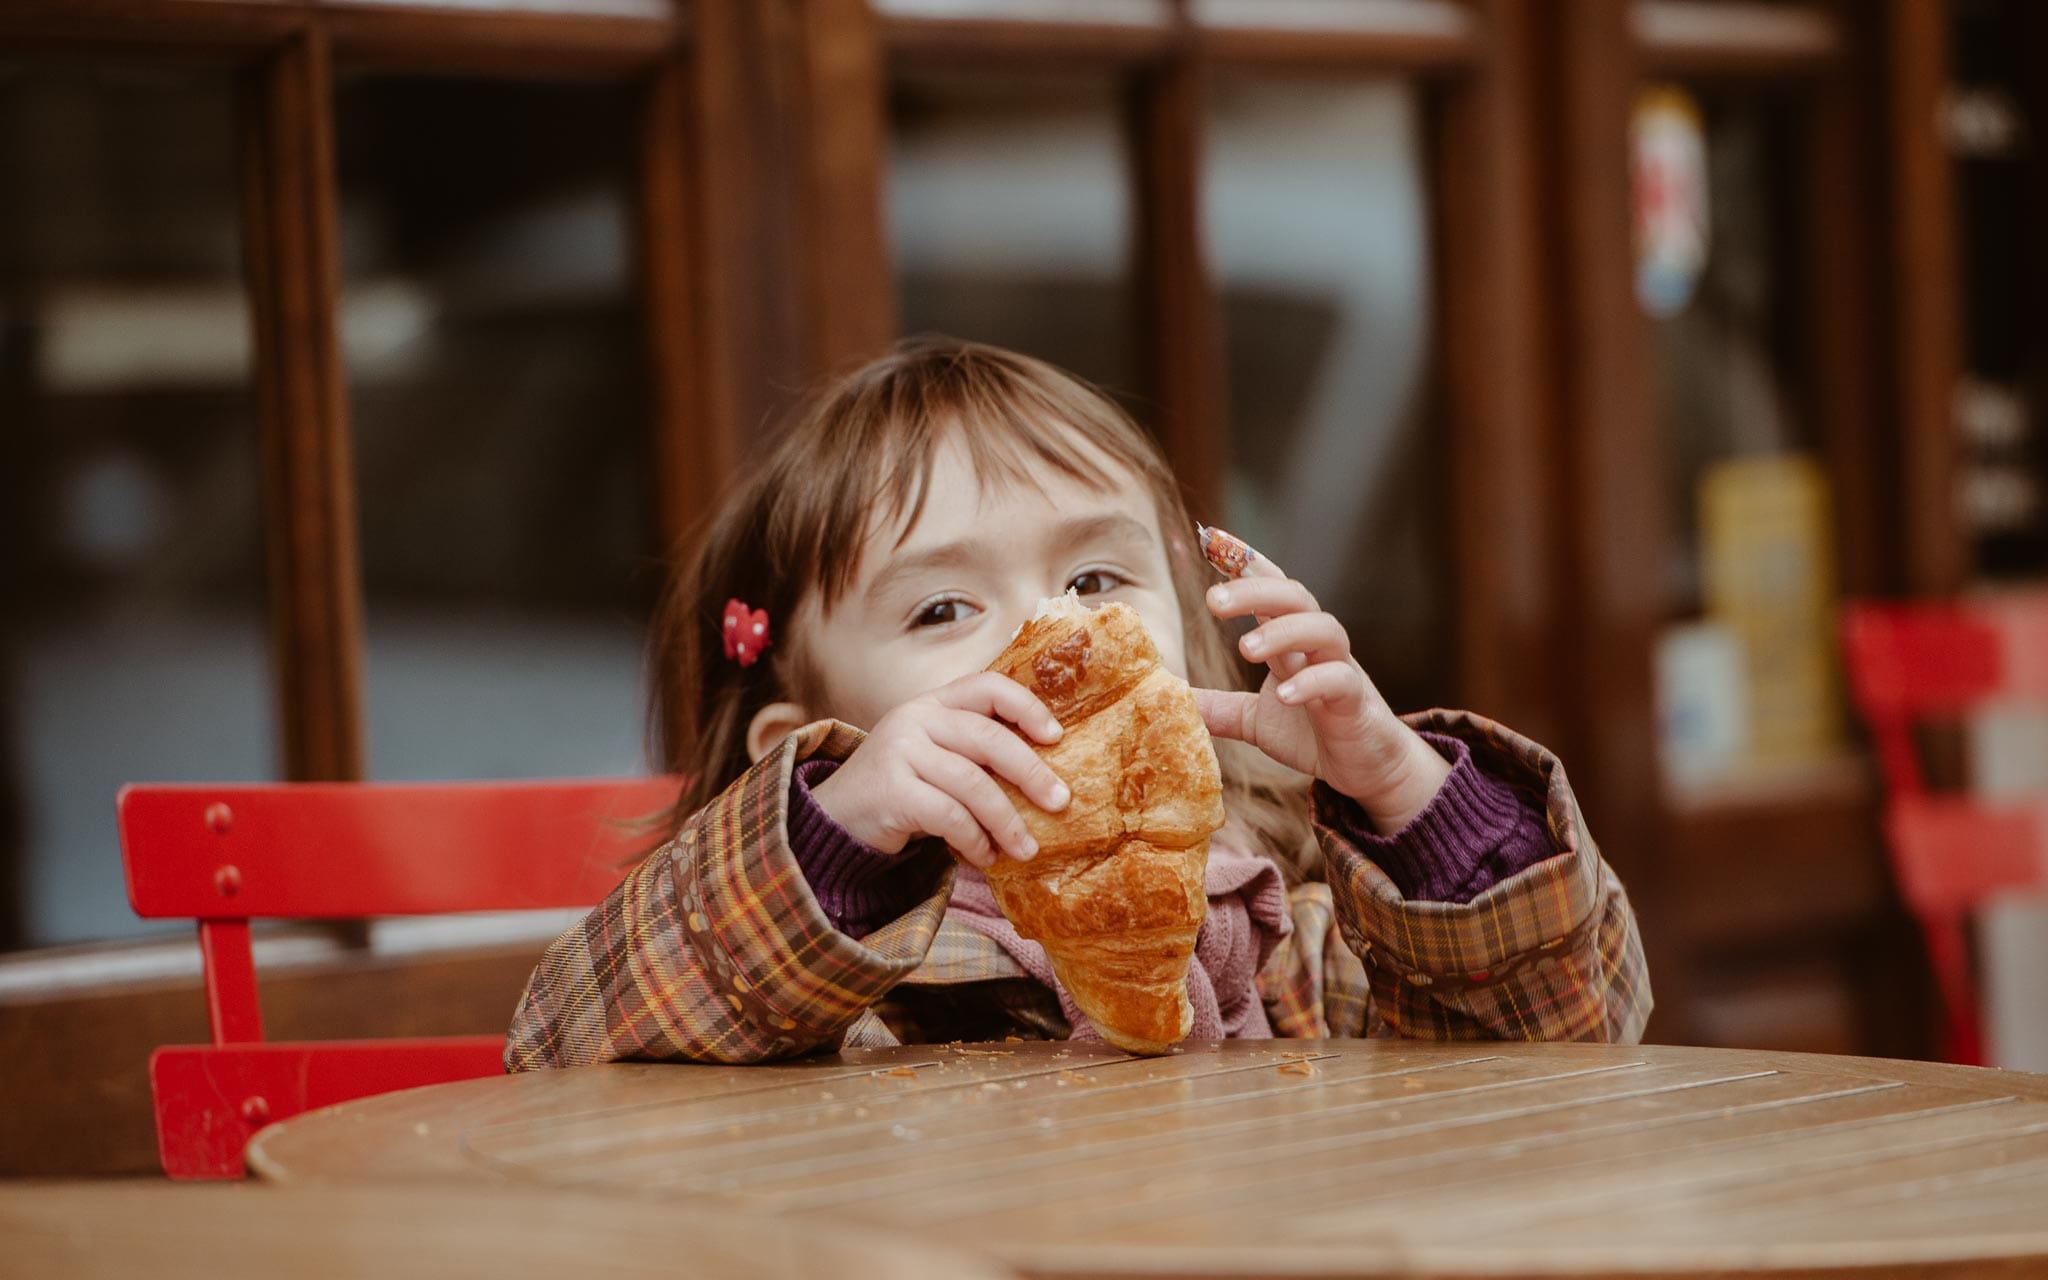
[[1014, 434]]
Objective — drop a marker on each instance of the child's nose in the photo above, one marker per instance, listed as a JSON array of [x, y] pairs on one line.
[[1020, 606]]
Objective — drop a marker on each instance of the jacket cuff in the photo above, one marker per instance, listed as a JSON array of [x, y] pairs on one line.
[[776, 958], [860, 887], [1473, 834], [1449, 944]]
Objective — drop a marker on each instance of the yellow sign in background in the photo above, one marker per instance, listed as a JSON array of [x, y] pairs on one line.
[[1766, 537]]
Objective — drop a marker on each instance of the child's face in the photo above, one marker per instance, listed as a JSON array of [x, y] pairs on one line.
[[973, 569]]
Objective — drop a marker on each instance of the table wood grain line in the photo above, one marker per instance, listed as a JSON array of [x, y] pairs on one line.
[[976, 1138], [1518, 1147], [924, 1185], [777, 1080], [606, 1146], [654, 1139], [1483, 1183], [1829, 1195], [1075, 1207], [1873, 1213], [1307, 1195], [1599, 1205]]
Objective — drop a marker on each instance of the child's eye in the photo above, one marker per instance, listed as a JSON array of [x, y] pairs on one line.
[[1093, 582], [938, 613]]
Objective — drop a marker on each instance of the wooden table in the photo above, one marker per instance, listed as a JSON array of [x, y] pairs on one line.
[[154, 1231], [1280, 1157]]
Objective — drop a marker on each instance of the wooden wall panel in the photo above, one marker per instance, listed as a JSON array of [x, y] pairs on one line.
[[1927, 335], [507, 42], [288, 215], [740, 189], [1843, 254], [1179, 317], [954, 42], [845, 290], [689, 365], [214, 30], [1498, 381]]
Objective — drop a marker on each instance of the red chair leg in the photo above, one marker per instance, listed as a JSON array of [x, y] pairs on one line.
[[1948, 951]]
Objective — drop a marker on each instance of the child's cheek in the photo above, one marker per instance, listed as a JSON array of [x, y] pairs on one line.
[[1163, 620], [909, 671]]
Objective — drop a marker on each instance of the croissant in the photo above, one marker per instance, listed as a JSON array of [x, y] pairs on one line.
[[1116, 892]]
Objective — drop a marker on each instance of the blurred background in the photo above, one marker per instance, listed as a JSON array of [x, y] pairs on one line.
[[363, 365]]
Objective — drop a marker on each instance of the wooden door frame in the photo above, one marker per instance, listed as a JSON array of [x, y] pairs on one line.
[[692, 267]]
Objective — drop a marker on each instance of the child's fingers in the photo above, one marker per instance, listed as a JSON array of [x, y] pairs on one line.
[[938, 814], [1333, 687], [1233, 556], [993, 745], [1261, 567], [1227, 713], [1263, 597], [972, 789], [988, 694], [1307, 637]]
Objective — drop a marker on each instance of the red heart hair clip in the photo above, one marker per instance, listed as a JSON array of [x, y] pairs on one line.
[[745, 632]]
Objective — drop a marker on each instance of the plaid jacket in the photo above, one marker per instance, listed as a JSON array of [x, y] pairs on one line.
[[714, 950]]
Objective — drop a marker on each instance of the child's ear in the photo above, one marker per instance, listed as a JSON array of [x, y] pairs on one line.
[[771, 724]]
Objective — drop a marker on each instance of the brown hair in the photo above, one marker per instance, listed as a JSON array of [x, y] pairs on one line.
[[863, 447]]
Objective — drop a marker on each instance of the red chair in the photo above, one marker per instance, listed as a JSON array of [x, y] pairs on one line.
[[223, 855], [1907, 663]]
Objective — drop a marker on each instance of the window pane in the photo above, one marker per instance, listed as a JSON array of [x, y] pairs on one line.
[[1725, 344], [1315, 212], [1009, 211], [1747, 680], [497, 396], [132, 618]]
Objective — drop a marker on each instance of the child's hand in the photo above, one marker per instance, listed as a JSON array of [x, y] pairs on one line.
[[924, 771], [1318, 712]]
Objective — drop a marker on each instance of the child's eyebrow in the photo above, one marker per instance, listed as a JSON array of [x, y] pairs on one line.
[[1110, 526], [1079, 531], [951, 555]]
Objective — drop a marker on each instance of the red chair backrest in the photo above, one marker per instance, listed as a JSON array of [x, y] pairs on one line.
[[1907, 663], [222, 855]]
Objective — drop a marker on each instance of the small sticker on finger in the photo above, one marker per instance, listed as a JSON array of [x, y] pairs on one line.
[[1229, 553]]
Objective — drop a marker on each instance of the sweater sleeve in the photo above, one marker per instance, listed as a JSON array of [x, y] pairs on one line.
[[859, 888], [716, 949], [1477, 832]]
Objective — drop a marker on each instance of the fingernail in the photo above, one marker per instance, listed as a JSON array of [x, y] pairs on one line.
[[1229, 554], [1028, 850], [1220, 597], [1287, 692], [1060, 796], [1253, 643]]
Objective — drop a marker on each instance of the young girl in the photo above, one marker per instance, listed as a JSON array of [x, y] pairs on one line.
[[1429, 877]]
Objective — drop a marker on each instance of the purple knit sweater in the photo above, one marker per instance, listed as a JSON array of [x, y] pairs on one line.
[[1477, 832]]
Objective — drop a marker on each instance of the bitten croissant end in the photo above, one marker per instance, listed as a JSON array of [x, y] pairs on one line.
[[1116, 892]]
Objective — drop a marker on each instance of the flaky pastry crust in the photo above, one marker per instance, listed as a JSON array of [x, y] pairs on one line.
[[1116, 893]]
